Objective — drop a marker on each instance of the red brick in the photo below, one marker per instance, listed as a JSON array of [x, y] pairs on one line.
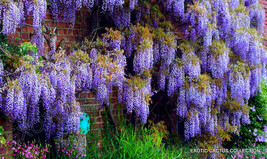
[[48, 16], [59, 38], [85, 13], [62, 25], [113, 100], [13, 35], [99, 120], [66, 32], [49, 23], [83, 95], [88, 101], [85, 26], [94, 101], [2, 122], [30, 29], [25, 36], [90, 95], [114, 94], [57, 43], [98, 126], [114, 89], [77, 26], [115, 117], [114, 111], [115, 106], [48, 11], [60, 31], [70, 32], [81, 102], [75, 32], [24, 29], [86, 32], [7, 127], [45, 43], [71, 38], [79, 38], [78, 19], [28, 21]]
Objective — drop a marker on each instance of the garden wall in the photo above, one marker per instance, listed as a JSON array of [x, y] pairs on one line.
[[86, 99], [68, 35]]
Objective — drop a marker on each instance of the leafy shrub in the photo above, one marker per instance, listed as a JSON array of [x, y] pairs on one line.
[[12, 53], [3, 136]]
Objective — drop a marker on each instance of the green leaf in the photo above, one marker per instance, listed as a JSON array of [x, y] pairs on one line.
[[37, 70]]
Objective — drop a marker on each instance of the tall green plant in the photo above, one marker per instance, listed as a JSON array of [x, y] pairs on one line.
[[125, 141]]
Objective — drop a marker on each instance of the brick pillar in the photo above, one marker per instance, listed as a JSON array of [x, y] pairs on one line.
[[89, 105]]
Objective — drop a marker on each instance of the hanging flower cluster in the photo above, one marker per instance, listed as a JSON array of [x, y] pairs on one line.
[[13, 13], [52, 85], [135, 94], [143, 57], [230, 54]]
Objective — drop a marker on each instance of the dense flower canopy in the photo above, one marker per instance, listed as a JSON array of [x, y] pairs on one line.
[[212, 72]]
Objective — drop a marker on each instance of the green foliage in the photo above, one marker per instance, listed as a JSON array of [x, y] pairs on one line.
[[26, 47], [7, 49], [3, 136], [177, 143], [263, 110], [126, 141], [13, 54]]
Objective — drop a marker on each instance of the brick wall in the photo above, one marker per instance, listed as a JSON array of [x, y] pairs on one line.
[[70, 35], [63, 30], [89, 105], [77, 33]]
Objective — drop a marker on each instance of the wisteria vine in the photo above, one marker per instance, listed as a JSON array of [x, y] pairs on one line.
[[212, 72]]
